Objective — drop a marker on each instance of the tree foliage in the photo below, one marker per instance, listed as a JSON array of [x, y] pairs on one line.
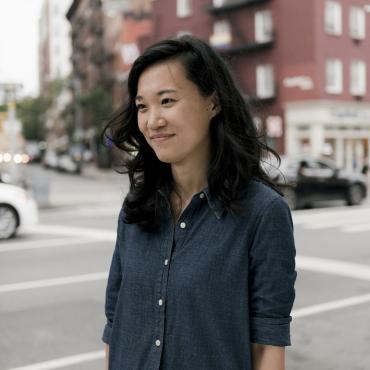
[[31, 111], [97, 103]]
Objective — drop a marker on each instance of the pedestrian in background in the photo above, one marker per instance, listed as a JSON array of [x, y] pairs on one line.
[[203, 272]]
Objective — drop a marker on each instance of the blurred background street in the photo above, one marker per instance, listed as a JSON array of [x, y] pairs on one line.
[[303, 69], [53, 278]]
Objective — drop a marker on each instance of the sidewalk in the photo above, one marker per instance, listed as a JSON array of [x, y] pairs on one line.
[[93, 186]]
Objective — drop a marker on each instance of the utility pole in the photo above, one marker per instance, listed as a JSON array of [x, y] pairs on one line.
[[12, 126]]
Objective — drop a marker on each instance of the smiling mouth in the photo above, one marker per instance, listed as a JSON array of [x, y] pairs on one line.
[[161, 138]]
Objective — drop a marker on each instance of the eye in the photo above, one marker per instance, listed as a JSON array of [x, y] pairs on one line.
[[167, 101], [140, 107]]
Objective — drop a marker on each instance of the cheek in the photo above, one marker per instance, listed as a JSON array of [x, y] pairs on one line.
[[141, 125]]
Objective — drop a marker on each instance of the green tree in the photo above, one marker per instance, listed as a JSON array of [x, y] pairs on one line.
[[31, 112], [98, 106]]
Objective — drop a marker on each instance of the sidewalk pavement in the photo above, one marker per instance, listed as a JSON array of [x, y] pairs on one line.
[[93, 186]]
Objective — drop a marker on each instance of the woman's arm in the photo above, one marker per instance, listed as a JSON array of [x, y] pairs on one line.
[[266, 357], [106, 347]]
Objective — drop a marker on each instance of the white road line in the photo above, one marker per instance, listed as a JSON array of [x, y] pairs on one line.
[[47, 243], [334, 267], [307, 216], [105, 210], [330, 306], [357, 228], [63, 361], [53, 282], [99, 234], [354, 221]]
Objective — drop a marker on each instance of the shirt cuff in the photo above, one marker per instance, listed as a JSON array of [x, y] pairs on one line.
[[271, 331], [107, 334]]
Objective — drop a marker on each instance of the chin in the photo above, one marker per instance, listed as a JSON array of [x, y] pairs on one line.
[[167, 158]]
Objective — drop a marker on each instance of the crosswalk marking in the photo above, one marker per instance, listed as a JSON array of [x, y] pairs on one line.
[[333, 267], [347, 220], [27, 285], [44, 243], [63, 361], [83, 232], [330, 306]]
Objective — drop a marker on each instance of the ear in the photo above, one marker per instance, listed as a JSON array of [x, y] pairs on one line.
[[215, 105]]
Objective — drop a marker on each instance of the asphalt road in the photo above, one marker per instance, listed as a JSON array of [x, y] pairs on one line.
[[52, 282]]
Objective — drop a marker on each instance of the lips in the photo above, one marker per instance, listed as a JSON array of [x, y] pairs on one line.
[[161, 137]]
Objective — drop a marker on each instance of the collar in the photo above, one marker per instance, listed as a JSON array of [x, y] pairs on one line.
[[214, 204]]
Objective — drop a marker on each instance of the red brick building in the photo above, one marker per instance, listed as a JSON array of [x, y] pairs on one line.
[[301, 64]]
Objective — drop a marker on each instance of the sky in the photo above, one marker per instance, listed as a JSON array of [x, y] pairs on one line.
[[19, 43]]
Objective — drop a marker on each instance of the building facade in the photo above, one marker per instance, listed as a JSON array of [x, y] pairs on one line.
[[105, 41], [54, 42], [302, 65]]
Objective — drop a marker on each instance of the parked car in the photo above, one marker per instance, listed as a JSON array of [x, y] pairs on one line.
[[18, 210], [69, 163], [305, 180], [50, 159]]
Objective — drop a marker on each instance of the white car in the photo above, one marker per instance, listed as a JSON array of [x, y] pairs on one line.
[[18, 210]]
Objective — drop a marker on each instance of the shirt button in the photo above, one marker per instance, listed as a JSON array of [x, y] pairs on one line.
[[166, 262], [160, 302], [157, 342], [183, 225], [201, 195]]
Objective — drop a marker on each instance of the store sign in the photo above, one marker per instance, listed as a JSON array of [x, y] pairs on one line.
[[350, 113], [274, 126], [302, 82]]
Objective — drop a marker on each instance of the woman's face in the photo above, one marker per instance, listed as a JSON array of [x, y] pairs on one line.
[[172, 114]]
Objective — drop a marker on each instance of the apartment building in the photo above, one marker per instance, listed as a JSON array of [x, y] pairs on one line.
[[54, 42], [302, 66]]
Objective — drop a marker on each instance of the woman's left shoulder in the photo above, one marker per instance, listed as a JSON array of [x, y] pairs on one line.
[[259, 196]]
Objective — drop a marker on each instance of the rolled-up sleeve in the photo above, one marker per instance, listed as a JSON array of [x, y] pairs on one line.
[[272, 275], [113, 285]]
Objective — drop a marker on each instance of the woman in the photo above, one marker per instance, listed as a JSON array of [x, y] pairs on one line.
[[202, 276]]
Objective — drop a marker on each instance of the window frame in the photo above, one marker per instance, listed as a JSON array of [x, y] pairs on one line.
[[218, 33], [358, 77], [337, 86], [184, 8], [333, 18], [263, 26], [357, 22], [265, 81]]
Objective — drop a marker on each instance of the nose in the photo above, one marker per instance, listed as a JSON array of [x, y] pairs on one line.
[[155, 120]]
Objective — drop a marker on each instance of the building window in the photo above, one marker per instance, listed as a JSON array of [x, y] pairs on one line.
[[334, 76], [222, 36], [265, 81], [358, 78], [183, 8], [333, 18], [263, 26], [357, 23], [183, 33], [219, 3]]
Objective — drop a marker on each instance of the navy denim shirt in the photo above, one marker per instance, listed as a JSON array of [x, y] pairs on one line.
[[195, 295]]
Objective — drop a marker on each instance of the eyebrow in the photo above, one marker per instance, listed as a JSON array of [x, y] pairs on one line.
[[159, 93]]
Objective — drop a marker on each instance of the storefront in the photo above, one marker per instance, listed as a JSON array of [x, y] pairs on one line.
[[340, 130]]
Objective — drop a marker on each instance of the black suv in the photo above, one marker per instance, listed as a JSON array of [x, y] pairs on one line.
[[304, 180]]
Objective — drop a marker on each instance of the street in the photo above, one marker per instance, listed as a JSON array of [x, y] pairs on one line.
[[53, 278]]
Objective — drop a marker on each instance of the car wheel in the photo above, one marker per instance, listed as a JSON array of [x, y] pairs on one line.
[[355, 195], [290, 197], [8, 222]]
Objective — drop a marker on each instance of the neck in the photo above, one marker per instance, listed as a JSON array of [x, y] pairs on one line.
[[189, 179]]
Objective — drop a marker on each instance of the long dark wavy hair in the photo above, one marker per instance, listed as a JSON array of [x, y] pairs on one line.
[[237, 149]]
